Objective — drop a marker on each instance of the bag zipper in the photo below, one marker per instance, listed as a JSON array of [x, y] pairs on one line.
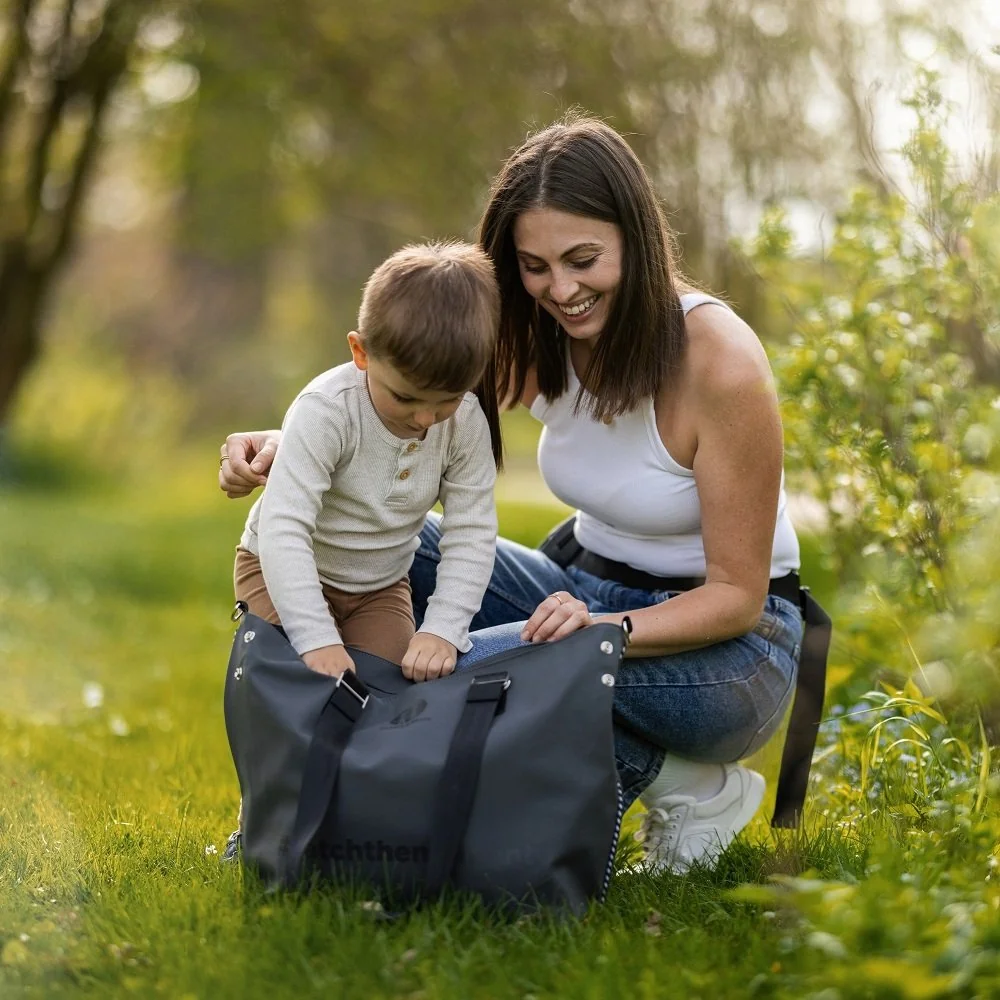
[[609, 869]]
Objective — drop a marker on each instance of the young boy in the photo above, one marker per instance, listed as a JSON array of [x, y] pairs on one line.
[[367, 449]]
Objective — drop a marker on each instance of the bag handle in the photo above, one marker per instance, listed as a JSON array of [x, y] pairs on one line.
[[319, 778], [457, 785], [807, 709]]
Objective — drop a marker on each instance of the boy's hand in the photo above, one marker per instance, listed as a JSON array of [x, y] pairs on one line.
[[428, 656], [331, 660]]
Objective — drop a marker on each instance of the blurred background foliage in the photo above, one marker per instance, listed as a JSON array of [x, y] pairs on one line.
[[192, 193]]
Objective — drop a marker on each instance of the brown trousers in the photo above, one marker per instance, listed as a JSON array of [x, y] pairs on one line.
[[379, 622]]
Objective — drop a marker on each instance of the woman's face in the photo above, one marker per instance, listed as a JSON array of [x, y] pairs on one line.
[[571, 265]]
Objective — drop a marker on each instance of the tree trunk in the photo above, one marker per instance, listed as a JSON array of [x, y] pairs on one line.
[[37, 229], [21, 290]]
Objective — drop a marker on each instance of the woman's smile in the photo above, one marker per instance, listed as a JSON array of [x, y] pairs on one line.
[[579, 310]]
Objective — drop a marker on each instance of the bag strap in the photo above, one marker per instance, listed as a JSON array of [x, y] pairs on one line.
[[456, 788], [807, 709], [319, 778], [560, 544]]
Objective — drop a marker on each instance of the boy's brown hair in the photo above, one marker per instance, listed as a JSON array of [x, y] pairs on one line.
[[432, 311]]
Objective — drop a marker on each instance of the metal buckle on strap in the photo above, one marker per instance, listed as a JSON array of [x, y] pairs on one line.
[[489, 687], [349, 681]]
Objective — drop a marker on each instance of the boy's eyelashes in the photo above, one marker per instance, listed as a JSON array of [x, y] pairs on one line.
[[409, 399]]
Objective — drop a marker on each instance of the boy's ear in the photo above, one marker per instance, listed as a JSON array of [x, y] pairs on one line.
[[358, 351]]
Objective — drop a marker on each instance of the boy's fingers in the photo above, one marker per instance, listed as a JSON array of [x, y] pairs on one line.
[[407, 665], [441, 665], [420, 666]]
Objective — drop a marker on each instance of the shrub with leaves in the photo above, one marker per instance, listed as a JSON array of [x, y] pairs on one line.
[[892, 381]]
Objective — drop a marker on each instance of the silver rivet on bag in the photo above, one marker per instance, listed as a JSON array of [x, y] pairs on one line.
[[250, 636], [238, 674], [608, 680], [607, 647]]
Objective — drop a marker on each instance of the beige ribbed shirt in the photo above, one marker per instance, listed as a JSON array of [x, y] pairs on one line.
[[346, 499]]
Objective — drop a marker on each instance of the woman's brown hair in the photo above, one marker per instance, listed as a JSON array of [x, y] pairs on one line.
[[582, 166]]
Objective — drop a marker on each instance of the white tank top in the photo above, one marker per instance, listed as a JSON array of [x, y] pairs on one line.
[[635, 504]]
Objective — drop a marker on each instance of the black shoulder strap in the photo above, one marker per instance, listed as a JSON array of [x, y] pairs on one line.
[[319, 777], [807, 709], [457, 785]]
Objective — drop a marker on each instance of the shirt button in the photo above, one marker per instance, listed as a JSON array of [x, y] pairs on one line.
[[405, 474], [411, 447]]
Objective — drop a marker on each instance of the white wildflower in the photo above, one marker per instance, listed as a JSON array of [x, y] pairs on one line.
[[119, 726], [93, 694]]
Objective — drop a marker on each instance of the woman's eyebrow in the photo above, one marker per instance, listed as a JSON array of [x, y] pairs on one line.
[[572, 250]]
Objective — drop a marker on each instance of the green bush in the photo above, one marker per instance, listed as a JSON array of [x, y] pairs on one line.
[[892, 411]]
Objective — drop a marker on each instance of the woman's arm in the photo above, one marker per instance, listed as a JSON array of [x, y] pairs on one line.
[[245, 461], [729, 392], [737, 468]]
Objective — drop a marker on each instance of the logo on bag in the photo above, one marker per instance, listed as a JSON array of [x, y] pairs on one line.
[[373, 850], [410, 714]]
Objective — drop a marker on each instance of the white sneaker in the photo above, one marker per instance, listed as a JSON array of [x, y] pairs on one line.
[[677, 830]]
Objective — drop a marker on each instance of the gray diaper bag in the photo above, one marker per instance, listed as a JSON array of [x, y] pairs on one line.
[[498, 780]]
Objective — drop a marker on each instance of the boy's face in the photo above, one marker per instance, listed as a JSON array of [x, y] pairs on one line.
[[405, 409]]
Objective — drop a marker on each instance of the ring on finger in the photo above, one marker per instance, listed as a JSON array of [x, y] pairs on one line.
[[557, 597], [222, 459]]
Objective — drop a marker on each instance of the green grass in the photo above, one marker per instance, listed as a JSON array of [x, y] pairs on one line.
[[106, 812]]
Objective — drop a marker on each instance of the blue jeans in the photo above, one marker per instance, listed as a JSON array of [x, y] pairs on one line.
[[715, 704]]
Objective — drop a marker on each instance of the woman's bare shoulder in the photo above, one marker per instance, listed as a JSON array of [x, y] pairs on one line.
[[723, 353]]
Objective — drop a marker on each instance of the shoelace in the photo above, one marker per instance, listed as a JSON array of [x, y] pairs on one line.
[[658, 833]]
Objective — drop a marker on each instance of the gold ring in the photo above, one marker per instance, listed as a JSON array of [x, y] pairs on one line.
[[557, 597], [222, 459]]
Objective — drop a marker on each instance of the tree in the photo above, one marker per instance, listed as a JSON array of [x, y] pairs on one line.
[[61, 62]]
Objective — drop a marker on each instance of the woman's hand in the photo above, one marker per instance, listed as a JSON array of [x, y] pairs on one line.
[[559, 615], [245, 460]]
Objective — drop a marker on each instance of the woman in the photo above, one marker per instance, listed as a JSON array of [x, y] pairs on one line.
[[661, 426]]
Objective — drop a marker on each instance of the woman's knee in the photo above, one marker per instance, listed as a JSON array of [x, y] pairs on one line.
[[716, 720]]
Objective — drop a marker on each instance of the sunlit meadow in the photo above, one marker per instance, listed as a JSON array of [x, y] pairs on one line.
[[118, 793]]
